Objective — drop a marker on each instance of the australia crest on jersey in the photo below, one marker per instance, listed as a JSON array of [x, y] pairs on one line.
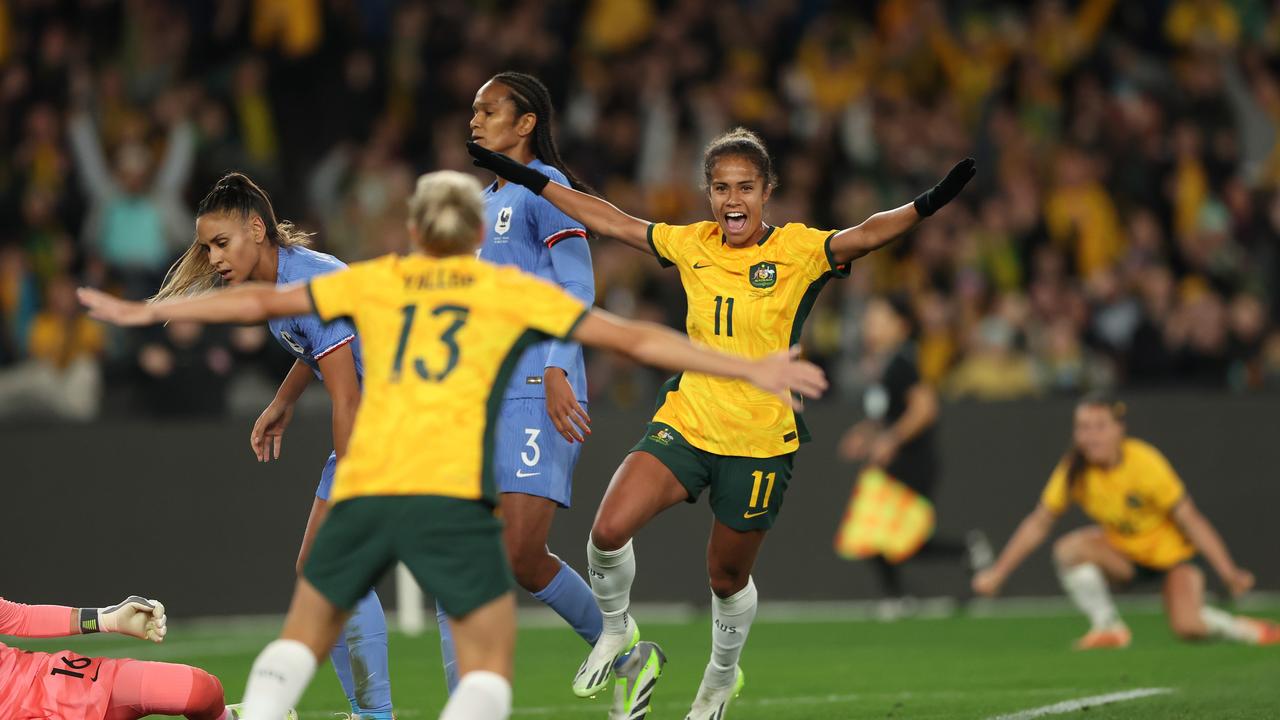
[[293, 344], [504, 221], [763, 275], [664, 436]]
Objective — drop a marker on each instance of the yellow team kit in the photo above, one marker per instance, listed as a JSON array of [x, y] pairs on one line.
[[439, 336], [747, 301], [1133, 502]]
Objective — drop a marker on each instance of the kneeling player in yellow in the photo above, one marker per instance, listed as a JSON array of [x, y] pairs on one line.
[[1147, 527], [441, 332], [750, 286]]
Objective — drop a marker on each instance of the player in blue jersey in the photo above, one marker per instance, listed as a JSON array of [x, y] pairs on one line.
[[238, 239], [544, 416]]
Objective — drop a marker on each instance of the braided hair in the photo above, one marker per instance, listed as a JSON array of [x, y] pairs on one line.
[[531, 96]]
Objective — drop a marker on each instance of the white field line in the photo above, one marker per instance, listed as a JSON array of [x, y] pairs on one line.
[[595, 708], [1069, 706]]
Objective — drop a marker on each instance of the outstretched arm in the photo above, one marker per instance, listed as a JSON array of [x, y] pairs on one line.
[[880, 229], [1206, 539], [136, 616], [600, 216], [659, 346], [249, 303], [1029, 535]]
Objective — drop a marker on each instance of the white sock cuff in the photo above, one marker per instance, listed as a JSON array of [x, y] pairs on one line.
[[491, 684], [1087, 571], [291, 652], [607, 558], [739, 602]]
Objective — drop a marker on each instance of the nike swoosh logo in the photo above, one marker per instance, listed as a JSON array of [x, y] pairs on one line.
[[523, 474], [696, 266], [749, 515], [96, 672]]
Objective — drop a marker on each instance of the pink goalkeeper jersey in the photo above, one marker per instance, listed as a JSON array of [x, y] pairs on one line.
[[36, 685]]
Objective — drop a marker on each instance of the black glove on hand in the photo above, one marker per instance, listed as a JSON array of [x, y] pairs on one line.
[[931, 201], [508, 169]]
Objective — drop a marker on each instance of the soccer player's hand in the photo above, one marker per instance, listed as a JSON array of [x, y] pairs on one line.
[[931, 201], [111, 309], [571, 421], [137, 617], [1239, 582], [507, 169], [987, 582], [268, 431], [784, 373]]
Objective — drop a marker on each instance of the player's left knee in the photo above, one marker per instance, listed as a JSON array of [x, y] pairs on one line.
[[206, 693]]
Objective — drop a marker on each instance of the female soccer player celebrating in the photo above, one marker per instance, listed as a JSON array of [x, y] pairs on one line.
[[543, 417], [68, 685], [238, 240], [442, 331], [750, 286], [1147, 525]]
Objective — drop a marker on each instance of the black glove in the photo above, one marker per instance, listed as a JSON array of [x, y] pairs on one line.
[[508, 169], [931, 201]]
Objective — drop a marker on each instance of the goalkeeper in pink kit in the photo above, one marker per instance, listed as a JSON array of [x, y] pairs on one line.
[[65, 684]]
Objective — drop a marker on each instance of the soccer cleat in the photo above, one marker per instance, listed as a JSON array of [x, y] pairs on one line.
[[1268, 631], [235, 712], [1116, 636], [637, 673], [594, 673], [711, 703]]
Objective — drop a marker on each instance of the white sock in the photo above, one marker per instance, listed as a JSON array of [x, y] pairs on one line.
[[611, 574], [481, 695], [278, 678], [730, 622], [1224, 625], [1087, 587]]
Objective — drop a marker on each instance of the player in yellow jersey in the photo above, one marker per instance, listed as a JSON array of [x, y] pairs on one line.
[[750, 286], [1147, 526], [441, 329]]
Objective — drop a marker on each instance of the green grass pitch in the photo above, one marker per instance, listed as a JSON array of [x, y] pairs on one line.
[[948, 668]]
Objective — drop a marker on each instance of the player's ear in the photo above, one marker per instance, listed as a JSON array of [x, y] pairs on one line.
[[527, 123], [257, 229]]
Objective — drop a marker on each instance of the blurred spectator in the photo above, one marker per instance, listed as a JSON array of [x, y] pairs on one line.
[[137, 219], [61, 377]]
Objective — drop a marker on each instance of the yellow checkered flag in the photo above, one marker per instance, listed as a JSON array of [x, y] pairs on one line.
[[884, 517]]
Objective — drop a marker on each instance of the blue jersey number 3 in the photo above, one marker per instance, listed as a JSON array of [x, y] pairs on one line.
[[459, 314]]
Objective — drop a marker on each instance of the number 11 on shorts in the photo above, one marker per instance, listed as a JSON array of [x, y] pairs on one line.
[[758, 478]]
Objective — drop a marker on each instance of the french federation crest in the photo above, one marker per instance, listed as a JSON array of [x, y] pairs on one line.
[[763, 275], [504, 221]]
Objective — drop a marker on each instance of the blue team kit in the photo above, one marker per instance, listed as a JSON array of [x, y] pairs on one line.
[[530, 455], [306, 337]]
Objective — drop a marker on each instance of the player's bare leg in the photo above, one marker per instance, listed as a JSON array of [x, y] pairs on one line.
[[1190, 619], [285, 667], [485, 639], [731, 554], [641, 488], [1085, 563]]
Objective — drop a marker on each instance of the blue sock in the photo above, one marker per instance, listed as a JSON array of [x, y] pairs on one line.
[[447, 653], [360, 659], [570, 596]]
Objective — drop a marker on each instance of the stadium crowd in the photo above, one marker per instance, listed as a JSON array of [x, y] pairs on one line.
[[1123, 230]]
